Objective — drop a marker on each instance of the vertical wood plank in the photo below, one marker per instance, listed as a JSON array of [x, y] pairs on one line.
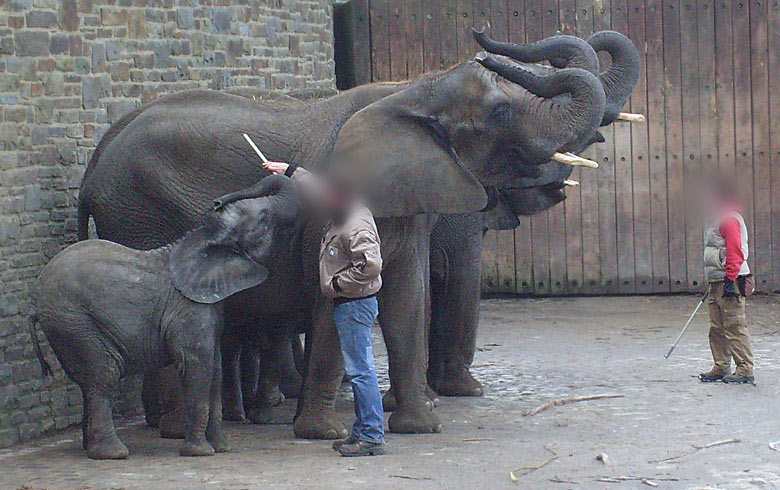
[[773, 23], [724, 64], [691, 152], [708, 104], [432, 22], [539, 222], [556, 221], [762, 197], [380, 42], [743, 124], [656, 123], [624, 189], [524, 272], [505, 240], [573, 204], [588, 179], [397, 41], [361, 36], [413, 31], [643, 249], [605, 155], [449, 39], [674, 164]]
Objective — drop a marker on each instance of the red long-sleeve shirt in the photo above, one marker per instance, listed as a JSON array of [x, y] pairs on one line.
[[735, 256]]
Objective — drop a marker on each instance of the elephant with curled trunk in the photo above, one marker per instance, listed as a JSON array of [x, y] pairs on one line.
[[456, 241], [418, 149]]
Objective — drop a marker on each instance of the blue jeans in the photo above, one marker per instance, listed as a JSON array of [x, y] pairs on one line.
[[353, 321]]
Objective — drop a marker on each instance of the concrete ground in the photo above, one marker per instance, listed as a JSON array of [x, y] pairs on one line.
[[532, 351]]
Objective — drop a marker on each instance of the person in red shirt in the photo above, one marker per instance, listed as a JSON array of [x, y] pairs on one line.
[[726, 270]]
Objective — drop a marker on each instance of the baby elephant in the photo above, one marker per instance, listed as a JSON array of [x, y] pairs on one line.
[[110, 311]]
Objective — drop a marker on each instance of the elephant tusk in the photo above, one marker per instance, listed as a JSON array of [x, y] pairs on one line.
[[631, 117], [570, 183], [574, 160]]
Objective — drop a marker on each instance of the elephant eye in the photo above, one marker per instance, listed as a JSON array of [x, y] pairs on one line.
[[501, 113]]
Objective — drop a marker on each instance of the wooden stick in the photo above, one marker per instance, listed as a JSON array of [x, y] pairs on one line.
[[531, 469], [564, 401], [696, 449], [254, 147]]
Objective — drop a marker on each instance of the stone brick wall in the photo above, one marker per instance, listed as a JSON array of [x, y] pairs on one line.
[[68, 68]]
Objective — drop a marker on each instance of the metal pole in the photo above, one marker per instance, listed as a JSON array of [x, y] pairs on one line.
[[682, 332]]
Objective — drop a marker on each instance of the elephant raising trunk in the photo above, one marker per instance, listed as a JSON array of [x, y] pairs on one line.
[[561, 51], [581, 111], [621, 76]]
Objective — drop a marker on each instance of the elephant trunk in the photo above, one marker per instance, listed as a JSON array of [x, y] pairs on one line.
[[568, 121], [271, 185], [621, 76], [561, 51]]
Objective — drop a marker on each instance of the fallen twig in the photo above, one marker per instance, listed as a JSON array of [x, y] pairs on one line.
[[531, 469], [564, 401], [649, 481], [559, 480], [407, 477], [696, 449], [477, 439]]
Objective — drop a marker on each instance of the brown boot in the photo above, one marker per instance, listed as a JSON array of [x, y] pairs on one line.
[[712, 375]]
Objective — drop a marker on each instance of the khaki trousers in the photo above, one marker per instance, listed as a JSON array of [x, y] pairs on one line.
[[728, 332]]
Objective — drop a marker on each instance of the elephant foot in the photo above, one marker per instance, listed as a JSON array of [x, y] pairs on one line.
[[455, 381], [415, 419], [218, 442], [108, 448], [319, 426], [152, 419], [234, 414], [389, 402], [290, 385], [172, 425], [271, 398], [263, 416], [202, 448]]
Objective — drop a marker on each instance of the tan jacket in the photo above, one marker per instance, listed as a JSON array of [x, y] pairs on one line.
[[350, 257]]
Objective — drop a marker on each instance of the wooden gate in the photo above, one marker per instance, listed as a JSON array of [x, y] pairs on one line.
[[705, 91]]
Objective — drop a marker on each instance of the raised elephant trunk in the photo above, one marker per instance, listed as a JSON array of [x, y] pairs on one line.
[[575, 118], [561, 51], [621, 76], [277, 185]]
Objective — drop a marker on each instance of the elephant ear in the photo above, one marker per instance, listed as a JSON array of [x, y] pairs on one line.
[[500, 217], [404, 163], [206, 272]]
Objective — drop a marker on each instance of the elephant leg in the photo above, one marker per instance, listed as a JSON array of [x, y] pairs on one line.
[[250, 375], [196, 378], [402, 316], [315, 417], [455, 298], [100, 435], [150, 398], [232, 354], [214, 432], [172, 421], [389, 403], [290, 378], [268, 393]]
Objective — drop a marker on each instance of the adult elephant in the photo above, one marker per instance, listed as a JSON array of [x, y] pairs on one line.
[[418, 149], [456, 241]]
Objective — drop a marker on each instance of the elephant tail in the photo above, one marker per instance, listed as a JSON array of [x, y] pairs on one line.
[[45, 366], [82, 223]]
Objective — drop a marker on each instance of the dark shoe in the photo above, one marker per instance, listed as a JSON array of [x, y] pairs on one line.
[[711, 376], [362, 448], [349, 440], [739, 379]]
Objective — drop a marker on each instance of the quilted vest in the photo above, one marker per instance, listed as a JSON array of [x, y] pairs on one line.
[[715, 249]]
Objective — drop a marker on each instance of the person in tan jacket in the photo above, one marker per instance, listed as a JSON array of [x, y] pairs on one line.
[[350, 266]]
